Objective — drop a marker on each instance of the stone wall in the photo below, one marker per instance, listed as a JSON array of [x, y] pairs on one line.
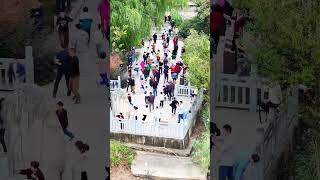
[[152, 141], [14, 12]]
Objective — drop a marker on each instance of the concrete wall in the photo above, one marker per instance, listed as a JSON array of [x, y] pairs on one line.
[[152, 141]]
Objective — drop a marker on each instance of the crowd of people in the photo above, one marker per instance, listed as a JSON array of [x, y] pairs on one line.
[[67, 59], [155, 76]]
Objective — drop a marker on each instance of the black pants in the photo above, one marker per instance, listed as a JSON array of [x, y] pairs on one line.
[[160, 69], [216, 38], [166, 77], [161, 104], [174, 109], [61, 73], [2, 131], [84, 175]]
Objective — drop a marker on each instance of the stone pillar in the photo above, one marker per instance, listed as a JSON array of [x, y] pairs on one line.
[[119, 83], [189, 89], [29, 64], [253, 95]]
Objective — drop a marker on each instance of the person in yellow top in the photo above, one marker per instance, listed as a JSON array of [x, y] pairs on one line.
[[158, 56]]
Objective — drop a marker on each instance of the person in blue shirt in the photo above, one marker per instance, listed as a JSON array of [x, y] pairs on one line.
[[86, 20], [242, 161], [17, 71]]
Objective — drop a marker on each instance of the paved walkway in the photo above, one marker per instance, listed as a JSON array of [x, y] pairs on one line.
[[88, 120], [138, 99], [161, 166]]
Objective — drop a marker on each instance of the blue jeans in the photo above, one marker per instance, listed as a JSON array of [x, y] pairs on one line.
[[155, 92], [225, 172], [180, 116], [68, 133]]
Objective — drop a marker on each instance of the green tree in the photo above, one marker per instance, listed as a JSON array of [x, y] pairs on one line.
[[139, 16], [283, 38], [197, 57], [201, 22]]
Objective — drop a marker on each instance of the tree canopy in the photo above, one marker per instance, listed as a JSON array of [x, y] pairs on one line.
[[136, 17], [197, 57], [286, 39], [283, 38], [201, 22]]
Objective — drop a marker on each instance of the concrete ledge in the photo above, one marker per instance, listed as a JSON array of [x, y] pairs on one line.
[[162, 150], [152, 141]]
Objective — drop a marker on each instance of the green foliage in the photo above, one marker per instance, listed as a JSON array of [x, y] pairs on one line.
[[304, 163], [197, 57], [201, 146], [139, 16], [120, 154], [200, 23], [283, 38], [286, 36], [176, 17]]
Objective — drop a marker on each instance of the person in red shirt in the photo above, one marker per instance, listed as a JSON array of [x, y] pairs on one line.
[[174, 73], [216, 24]]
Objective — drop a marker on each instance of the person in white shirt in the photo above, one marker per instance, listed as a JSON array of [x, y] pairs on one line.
[[79, 39], [157, 115], [180, 111], [161, 96], [227, 155], [99, 40]]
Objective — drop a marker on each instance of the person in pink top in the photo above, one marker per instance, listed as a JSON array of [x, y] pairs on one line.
[[104, 11]]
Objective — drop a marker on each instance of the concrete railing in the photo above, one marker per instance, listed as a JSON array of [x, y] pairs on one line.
[[182, 90], [9, 84], [275, 138], [242, 93], [115, 84], [156, 129]]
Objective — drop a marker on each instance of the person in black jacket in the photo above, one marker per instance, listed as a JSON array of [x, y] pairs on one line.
[[63, 119], [33, 172], [64, 68]]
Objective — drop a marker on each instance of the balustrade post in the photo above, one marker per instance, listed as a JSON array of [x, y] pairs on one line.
[[253, 95], [29, 63], [119, 82], [189, 89]]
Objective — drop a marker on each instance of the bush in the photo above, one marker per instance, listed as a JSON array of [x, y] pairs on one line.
[[184, 30], [201, 146], [177, 18], [120, 154]]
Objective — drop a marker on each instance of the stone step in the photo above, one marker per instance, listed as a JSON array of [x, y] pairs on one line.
[[162, 150], [166, 167]]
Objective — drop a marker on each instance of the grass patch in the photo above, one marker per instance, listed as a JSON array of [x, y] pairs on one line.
[[120, 154], [201, 146]]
